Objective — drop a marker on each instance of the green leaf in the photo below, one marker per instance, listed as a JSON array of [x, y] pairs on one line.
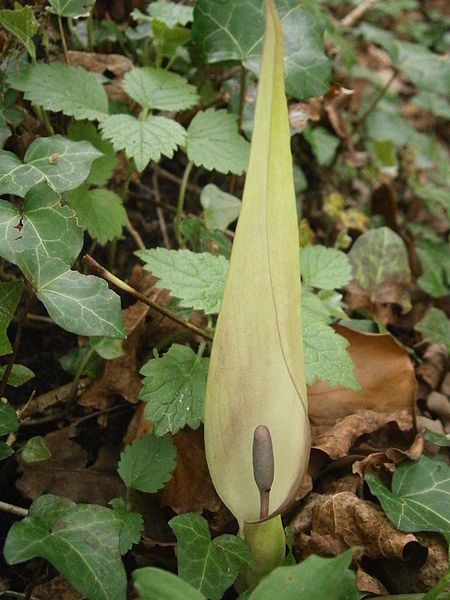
[[71, 8], [59, 162], [220, 208], [436, 326], [214, 142], [170, 13], [5, 451], [132, 524], [438, 439], [21, 23], [169, 39], [147, 464], [420, 497], [102, 168], [326, 358], [107, 348], [196, 279], [386, 123], [323, 144], [435, 278], [324, 268], [100, 211], [211, 566], [62, 88], [233, 30], [8, 419], [316, 577], [10, 293], [159, 89], [427, 70], [35, 450], [143, 140], [433, 103], [81, 542], [18, 376], [174, 390], [152, 583]]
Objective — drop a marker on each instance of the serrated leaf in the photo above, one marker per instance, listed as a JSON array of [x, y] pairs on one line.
[[174, 390], [10, 293], [71, 8], [435, 278], [324, 268], [420, 497], [21, 23], [132, 525], [170, 13], [8, 419], [147, 464], [233, 30], [220, 208], [211, 566], [18, 376], [159, 89], [35, 450], [143, 140], [323, 144], [81, 542], [100, 212], [152, 583], [196, 279], [316, 577], [62, 88], [436, 326], [214, 142], [102, 168], [56, 160]]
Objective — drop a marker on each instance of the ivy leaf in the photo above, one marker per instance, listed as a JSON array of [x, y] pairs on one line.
[[35, 450], [323, 144], [100, 211], [8, 419], [420, 495], [324, 268], [10, 293], [233, 30], [214, 142], [436, 326], [220, 208], [143, 140], [132, 524], [9, 229], [5, 451], [102, 168], [147, 464], [159, 89], [62, 88], [174, 390], [152, 583], [81, 542], [316, 577], [170, 13], [21, 23], [435, 278], [71, 8], [211, 566], [18, 376], [56, 160], [197, 280], [427, 70]]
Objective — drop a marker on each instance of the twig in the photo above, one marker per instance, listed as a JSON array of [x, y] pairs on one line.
[[12, 509], [360, 121], [108, 276], [40, 319], [159, 212], [135, 235], [358, 12]]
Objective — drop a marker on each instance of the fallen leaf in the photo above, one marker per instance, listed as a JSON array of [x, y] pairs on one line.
[[384, 371], [389, 458], [433, 366], [368, 584], [56, 588]]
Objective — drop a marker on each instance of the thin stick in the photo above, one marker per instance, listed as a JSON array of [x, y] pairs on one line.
[[358, 12], [12, 509], [375, 101], [108, 276], [171, 177], [159, 212], [63, 40], [135, 235]]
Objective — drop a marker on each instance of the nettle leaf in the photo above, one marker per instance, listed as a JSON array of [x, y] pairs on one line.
[[316, 577], [196, 279], [233, 30], [18, 376], [132, 524], [35, 450], [8, 419], [159, 89], [21, 23], [102, 168], [220, 208], [324, 268], [80, 541], [435, 278], [100, 212], [213, 142], [10, 293], [56, 160], [436, 326], [62, 88], [152, 583], [170, 13], [323, 144], [71, 8], [420, 496], [174, 390], [143, 140], [211, 566], [147, 464]]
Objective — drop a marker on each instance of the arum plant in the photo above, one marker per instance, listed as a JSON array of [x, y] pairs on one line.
[[256, 419]]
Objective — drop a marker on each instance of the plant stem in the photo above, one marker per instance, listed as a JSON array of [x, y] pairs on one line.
[[63, 39], [108, 276], [243, 81], [13, 510], [159, 211], [361, 120], [79, 372], [90, 29], [180, 203]]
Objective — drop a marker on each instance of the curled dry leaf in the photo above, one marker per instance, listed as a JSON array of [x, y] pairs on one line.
[[384, 371], [389, 458], [368, 584], [433, 366]]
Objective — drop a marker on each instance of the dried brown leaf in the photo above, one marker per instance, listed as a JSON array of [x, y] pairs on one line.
[[368, 584], [389, 458], [433, 366], [56, 588]]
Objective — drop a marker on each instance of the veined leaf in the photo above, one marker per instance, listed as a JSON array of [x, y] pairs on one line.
[[71, 8], [21, 23], [8, 419], [436, 326], [18, 376], [325, 268], [220, 208], [256, 374], [10, 292], [102, 168], [170, 13], [154, 583]]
